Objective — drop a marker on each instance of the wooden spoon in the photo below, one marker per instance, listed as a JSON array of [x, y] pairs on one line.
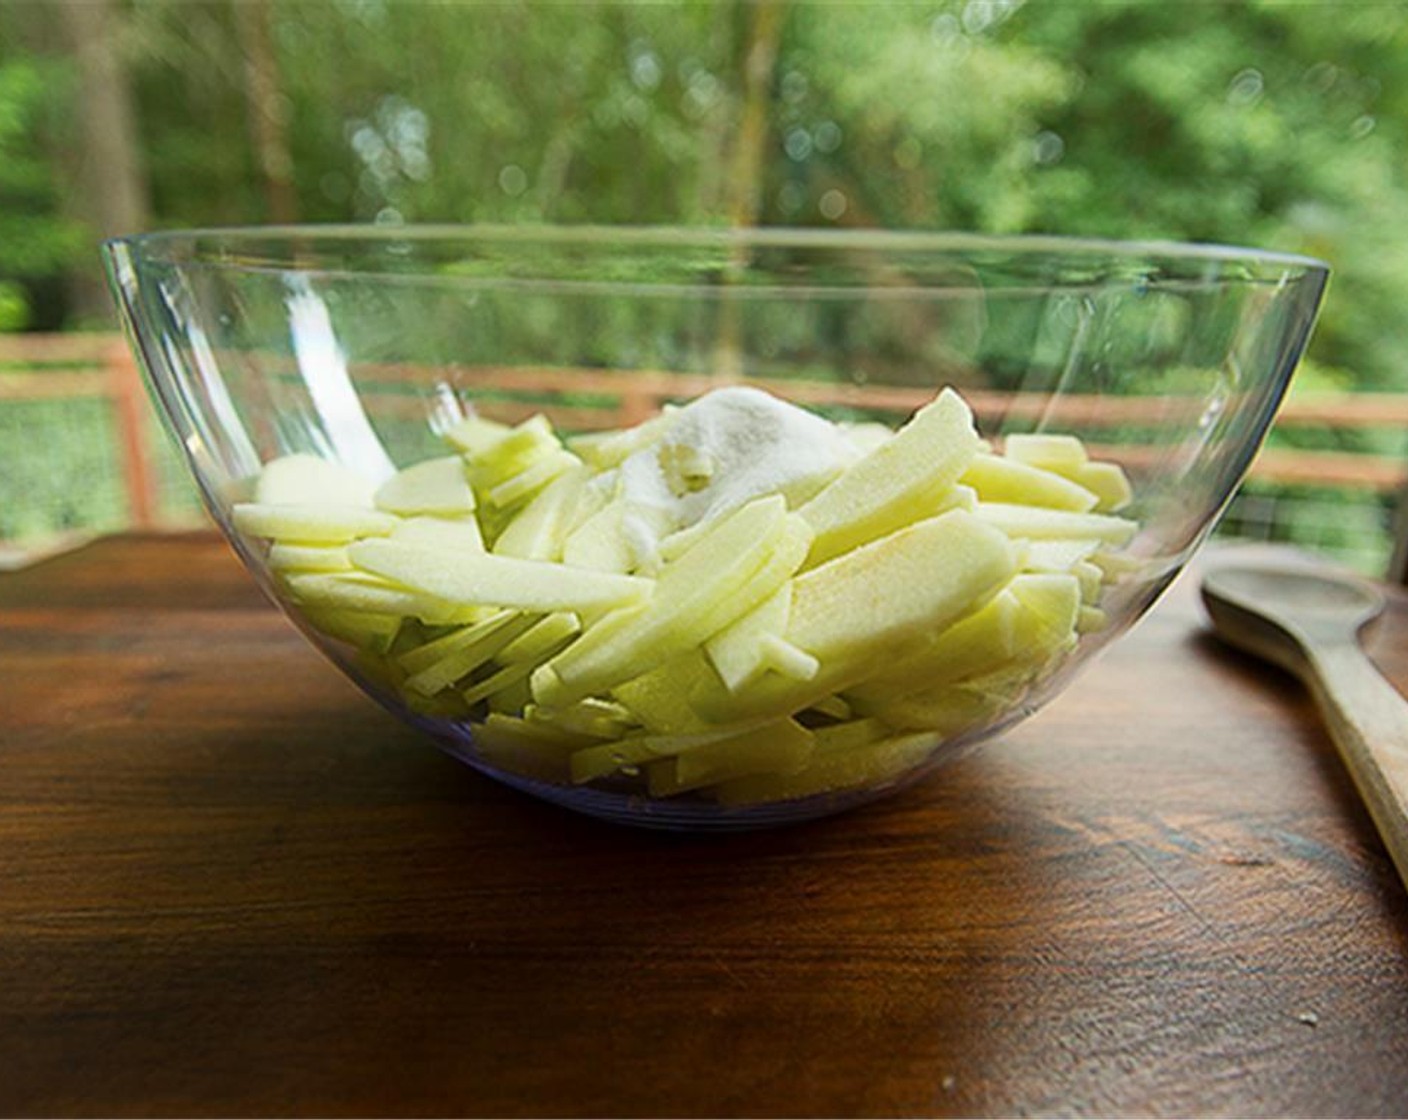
[[1308, 622]]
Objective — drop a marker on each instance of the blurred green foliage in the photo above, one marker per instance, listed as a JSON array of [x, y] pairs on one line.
[[1258, 122]]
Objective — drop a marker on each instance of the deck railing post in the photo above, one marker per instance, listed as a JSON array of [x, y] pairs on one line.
[[130, 404]]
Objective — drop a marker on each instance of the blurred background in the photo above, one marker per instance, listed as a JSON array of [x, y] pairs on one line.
[[1275, 125]]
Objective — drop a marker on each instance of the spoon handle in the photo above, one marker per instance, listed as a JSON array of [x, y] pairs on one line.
[[1368, 721]]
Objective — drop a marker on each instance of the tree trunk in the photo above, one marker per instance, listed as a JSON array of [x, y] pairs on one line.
[[110, 192], [267, 109], [745, 195], [744, 191]]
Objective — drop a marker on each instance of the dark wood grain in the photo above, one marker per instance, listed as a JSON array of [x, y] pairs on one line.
[[231, 885]]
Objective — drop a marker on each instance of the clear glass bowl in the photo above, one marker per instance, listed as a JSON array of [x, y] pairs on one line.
[[936, 616]]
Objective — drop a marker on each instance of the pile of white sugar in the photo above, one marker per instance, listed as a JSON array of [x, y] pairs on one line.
[[728, 447]]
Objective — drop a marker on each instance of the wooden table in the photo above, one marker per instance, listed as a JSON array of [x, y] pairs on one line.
[[231, 885]]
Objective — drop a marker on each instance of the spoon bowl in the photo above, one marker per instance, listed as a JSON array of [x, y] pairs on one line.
[[1307, 621]]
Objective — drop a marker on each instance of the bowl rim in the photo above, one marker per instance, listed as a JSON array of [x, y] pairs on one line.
[[954, 241]]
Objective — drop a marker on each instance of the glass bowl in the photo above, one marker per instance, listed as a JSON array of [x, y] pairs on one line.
[[710, 529]]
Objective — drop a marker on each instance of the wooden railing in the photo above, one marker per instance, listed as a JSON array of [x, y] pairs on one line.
[[37, 367], [63, 367]]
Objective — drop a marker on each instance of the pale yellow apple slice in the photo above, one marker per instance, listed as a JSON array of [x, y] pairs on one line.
[[361, 591], [309, 480], [515, 669], [859, 612], [497, 581], [630, 753], [599, 543], [502, 451], [526, 748], [360, 628], [1056, 555], [1028, 624], [284, 557], [436, 487], [474, 435], [785, 659], [1060, 453], [736, 652], [457, 664], [833, 707], [832, 772], [311, 524], [540, 530], [659, 697], [900, 481], [1108, 482], [850, 735], [428, 653], [1092, 581], [781, 747], [1091, 620], [987, 639], [950, 710], [460, 534], [542, 640], [743, 559], [1048, 524], [1005, 480], [593, 717], [531, 479], [1067, 456]]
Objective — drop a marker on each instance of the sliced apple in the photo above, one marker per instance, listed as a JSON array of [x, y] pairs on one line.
[[474, 435], [1108, 482], [1049, 524], [850, 735], [785, 659], [360, 628], [782, 747], [310, 480], [659, 697], [832, 707], [599, 543], [832, 772], [950, 710], [540, 530], [285, 557], [1005, 480], [1057, 555], [423, 656], [858, 613], [360, 591], [458, 534], [1092, 620], [1092, 581], [531, 479], [458, 663], [542, 640], [436, 486], [736, 652], [527, 748], [513, 671], [593, 717], [1059, 453], [311, 524], [900, 481], [743, 559], [496, 581], [985, 640]]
